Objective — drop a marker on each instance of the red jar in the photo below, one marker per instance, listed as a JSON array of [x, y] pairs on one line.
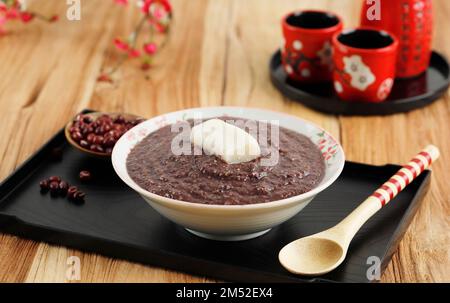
[[411, 21]]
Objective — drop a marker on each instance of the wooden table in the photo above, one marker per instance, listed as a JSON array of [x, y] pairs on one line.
[[217, 55]]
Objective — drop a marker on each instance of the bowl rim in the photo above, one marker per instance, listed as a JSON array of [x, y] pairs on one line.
[[271, 204]]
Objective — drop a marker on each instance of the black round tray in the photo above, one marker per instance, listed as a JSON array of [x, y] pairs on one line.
[[406, 95]]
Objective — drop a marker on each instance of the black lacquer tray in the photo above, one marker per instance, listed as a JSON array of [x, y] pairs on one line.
[[406, 95], [116, 222]]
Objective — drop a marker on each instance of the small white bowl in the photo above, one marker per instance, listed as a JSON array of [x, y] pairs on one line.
[[230, 222]]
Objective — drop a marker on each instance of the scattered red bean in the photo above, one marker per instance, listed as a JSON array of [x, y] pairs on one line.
[[85, 176], [63, 187], [79, 196], [100, 135], [54, 188], [71, 195], [54, 178], [71, 190], [44, 185]]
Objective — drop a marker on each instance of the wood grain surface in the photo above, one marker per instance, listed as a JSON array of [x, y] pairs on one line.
[[217, 55]]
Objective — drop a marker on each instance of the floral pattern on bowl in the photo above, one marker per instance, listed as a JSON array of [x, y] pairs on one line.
[[327, 145]]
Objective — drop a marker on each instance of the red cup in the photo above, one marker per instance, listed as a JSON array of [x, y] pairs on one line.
[[306, 50], [364, 64]]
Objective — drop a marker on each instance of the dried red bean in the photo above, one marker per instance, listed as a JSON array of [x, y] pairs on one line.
[[63, 187], [104, 128], [105, 117], [96, 148], [54, 188], [77, 136], [71, 192], [120, 127], [54, 178], [98, 131], [90, 137], [118, 134], [78, 117], [119, 119], [86, 130], [109, 141], [79, 196], [74, 129], [97, 140], [87, 119], [84, 144], [44, 185], [72, 189], [85, 175], [100, 134]]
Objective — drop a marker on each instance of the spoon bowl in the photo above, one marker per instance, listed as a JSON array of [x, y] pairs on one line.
[[318, 256]]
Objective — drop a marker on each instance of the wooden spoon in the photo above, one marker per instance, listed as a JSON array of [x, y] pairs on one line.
[[322, 252]]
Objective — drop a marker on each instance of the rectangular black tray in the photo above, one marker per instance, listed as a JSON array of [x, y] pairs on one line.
[[117, 222]]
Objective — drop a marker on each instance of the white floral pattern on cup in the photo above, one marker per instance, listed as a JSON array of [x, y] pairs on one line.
[[361, 75], [305, 72], [297, 45], [338, 87], [289, 69], [325, 54], [385, 88]]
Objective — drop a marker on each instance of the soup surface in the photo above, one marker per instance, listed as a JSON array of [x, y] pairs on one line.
[[207, 179]]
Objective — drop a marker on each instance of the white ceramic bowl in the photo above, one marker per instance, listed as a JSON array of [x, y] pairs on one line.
[[230, 222]]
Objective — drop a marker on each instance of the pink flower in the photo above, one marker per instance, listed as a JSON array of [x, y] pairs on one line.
[[150, 48], [134, 53], [121, 45], [165, 4], [121, 2], [146, 6], [26, 17], [158, 13], [12, 13]]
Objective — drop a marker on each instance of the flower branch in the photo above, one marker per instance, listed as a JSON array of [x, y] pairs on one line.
[[157, 16], [14, 10]]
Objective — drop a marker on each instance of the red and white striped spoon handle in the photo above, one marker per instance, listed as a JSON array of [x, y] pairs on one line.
[[406, 175]]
